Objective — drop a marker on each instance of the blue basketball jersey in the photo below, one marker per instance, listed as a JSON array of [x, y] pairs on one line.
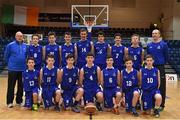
[[117, 53], [90, 77], [69, 78], [149, 79], [110, 77], [83, 48], [49, 76], [30, 79], [129, 80], [100, 50], [65, 51], [36, 53], [136, 54], [54, 50]]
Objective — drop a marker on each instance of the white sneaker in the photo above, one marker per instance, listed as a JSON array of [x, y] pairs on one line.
[[20, 105], [10, 105]]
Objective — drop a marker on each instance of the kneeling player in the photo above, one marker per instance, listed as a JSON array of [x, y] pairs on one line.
[[150, 82], [110, 79], [69, 76], [130, 85], [90, 80], [30, 82], [48, 79]]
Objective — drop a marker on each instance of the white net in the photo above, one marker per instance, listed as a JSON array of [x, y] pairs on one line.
[[89, 25]]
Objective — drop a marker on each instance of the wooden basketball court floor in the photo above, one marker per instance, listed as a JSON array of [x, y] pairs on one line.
[[172, 109]]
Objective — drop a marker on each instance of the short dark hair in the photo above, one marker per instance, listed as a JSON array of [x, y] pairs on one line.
[[50, 56], [51, 33], [149, 56], [101, 33], [137, 35], [69, 56], [90, 54], [117, 34], [67, 33], [36, 35], [108, 57], [29, 58], [83, 30], [129, 58]]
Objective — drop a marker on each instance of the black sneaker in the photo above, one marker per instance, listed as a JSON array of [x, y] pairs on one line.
[[135, 114], [99, 107], [76, 109], [57, 108], [156, 113]]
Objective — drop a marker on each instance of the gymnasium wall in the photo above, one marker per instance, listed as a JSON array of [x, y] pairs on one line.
[[176, 20]]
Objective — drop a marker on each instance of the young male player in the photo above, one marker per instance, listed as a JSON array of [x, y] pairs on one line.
[[118, 52], [130, 80], [136, 52], [30, 83], [90, 80], [101, 50], [52, 48], [84, 46], [110, 80], [49, 76], [35, 51], [67, 48], [69, 76], [150, 83]]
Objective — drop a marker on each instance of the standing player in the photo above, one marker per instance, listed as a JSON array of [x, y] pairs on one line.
[[150, 83], [101, 50], [67, 48], [35, 51], [130, 78], [84, 46], [30, 83], [49, 82], [118, 52], [90, 80], [110, 80], [69, 76], [52, 48], [136, 52], [159, 50]]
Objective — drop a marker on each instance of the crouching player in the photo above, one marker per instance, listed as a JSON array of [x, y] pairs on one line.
[[48, 79], [69, 76], [150, 82], [30, 83], [90, 80], [129, 78], [110, 79]]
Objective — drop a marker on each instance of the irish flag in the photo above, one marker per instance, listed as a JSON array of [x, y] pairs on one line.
[[20, 15]]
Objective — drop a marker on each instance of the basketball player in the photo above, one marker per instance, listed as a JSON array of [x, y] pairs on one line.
[[110, 80], [90, 80], [52, 48], [35, 51], [69, 76], [84, 46], [150, 83], [130, 77], [30, 83], [136, 52], [67, 48], [49, 82], [101, 50], [118, 52]]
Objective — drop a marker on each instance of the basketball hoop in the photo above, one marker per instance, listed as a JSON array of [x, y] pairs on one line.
[[89, 25]]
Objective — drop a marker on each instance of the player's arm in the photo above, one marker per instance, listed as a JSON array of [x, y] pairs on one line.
[[159, 81], [126, 52], [81, 77], [41, 76], [109, 50], [75, 54], [44, 53], [140, 78], [92, 47], [99, 75], [119, 78], [60, 55], [59, 76], [102, 78], [142, 56]]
